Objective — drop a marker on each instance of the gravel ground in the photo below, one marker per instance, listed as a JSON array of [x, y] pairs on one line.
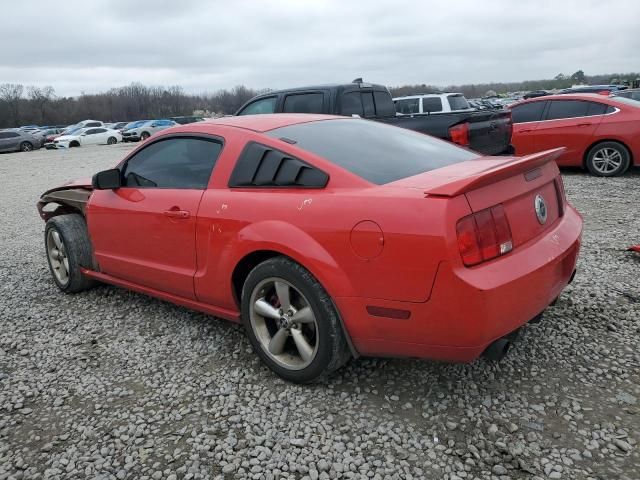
[[112, 384]]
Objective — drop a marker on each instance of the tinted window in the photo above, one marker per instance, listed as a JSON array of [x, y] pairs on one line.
[[264, 105], [595, 108], [9, 134], [384, 104], [91, 131], [173, 163], [458, 102], [351, 104], [100, 130], [431, 104], [304, 103], [566, 109], [527, 112], [376, 152], [92, 124], [407, 106], [368, 105]]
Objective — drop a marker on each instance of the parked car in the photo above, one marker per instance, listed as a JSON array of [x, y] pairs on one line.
[[632, 93], [18, 141], [87, 136], [305, 245], [145, 130], [535, 94], [49, 139], [186, 119], [599, 133], [432, 103], [116, 125], [485, 132], [601, 89]]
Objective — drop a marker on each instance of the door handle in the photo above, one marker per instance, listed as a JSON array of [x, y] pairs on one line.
[[585, 124], [526, 131], [177, 213]]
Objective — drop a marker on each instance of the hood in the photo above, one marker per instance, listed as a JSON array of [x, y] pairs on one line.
[[67, 137], [83, 183]]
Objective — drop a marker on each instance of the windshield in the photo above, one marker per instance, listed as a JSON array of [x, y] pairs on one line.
[[135, 124], [374, 151], [458, 102], [73, 131]]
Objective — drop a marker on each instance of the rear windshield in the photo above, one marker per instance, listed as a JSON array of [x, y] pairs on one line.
[[458, 102], [377, 152]]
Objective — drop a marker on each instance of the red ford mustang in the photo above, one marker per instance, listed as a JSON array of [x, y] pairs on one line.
[[599, 133], [327, 237]]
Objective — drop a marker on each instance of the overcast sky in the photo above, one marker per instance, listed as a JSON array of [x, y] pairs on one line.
[[93, 45]]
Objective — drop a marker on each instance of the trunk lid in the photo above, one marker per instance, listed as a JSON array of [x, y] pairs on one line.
[[528, 187]]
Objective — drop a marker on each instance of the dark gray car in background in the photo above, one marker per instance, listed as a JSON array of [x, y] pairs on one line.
[[18, 141]]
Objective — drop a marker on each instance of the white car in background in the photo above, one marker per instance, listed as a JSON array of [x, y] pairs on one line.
[[431, 103], [87, 136]]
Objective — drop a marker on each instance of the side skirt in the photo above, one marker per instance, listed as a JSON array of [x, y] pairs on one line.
[[230, 315]]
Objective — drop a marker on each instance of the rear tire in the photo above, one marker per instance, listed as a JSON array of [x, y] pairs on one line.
[[112, 141], [26, 147], [608, 159], [312, 344], [68, 249]]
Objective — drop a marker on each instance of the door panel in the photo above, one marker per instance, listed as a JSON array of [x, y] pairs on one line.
[[146, 236], [523, 136], [574, 134]]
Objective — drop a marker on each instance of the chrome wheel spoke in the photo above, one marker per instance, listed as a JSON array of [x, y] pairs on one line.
[[304, 315], [56, 240], [276, 345], [264, 309], [304, 348], [282, 291]]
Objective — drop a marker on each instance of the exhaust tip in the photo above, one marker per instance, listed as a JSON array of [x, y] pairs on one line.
[[498, 349]]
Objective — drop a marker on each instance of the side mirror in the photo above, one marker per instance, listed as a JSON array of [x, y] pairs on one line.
[[107, 179]]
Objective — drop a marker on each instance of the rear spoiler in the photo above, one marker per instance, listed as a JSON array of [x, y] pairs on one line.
[[505, 169]]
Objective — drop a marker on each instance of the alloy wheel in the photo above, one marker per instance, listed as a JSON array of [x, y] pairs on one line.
[[607, 160], [58, 258], [284, 323]]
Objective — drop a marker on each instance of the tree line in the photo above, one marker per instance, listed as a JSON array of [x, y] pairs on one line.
[[20, 105], [41, 105]]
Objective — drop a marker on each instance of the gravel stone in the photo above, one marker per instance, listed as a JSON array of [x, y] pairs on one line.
[[111, 384]]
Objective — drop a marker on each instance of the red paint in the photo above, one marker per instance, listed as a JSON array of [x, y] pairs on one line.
[[393, 247], [579, 134]]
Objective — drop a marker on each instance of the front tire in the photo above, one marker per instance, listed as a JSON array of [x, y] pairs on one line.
[[74, 144], [144, 136], [68, 250], [292, 322], [608, 159], [26, 147]]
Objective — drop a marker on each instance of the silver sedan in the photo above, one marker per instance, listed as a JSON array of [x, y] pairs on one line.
[[18, 141]]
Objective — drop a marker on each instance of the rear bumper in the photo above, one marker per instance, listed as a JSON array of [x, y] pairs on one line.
[[471, 307]]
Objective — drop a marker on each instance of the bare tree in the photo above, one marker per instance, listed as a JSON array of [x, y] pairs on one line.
[[41, 97], [11, 94]]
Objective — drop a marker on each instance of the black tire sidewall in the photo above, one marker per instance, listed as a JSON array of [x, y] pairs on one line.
[[23, 144], [329, 331], [112, 141], [615, 145], [71, 229]]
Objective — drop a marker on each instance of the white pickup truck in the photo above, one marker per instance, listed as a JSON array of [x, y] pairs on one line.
[[432, 103]]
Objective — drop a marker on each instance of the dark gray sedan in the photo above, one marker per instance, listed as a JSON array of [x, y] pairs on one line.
[[18, 141]]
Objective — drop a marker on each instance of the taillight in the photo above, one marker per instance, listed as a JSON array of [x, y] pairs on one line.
[[484, 235], [460, 134], [560, 193]]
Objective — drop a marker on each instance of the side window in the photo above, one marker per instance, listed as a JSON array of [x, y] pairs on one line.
[[368, 105], [528, 112], [99, 130], [262, 166], [91, 131], [351, 104], [566, 109], [181, 162], [92, 124], [407, 106], [9, 135], [384, 104], [304, 103], [596, 108], [264, 105], [431, 104]]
